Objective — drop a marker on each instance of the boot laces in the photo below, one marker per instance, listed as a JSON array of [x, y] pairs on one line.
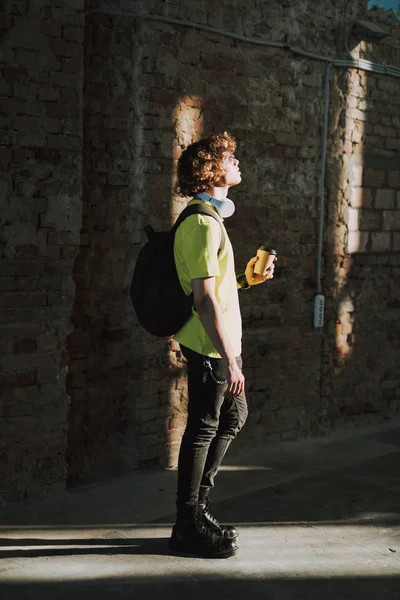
[[205, 527], [207, 512]]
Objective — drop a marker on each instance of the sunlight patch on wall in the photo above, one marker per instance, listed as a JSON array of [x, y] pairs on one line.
[[344, 326], [350, 211], [187, 123]]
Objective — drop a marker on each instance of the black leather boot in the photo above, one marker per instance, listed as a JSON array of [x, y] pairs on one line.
[[227, 531], [192, 535]]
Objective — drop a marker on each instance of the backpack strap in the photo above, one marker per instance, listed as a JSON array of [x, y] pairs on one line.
[[195, 209]]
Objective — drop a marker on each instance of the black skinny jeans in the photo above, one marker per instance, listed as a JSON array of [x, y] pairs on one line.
[[213, 422]]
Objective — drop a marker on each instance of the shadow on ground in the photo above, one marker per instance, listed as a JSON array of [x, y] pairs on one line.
[[318, 519]]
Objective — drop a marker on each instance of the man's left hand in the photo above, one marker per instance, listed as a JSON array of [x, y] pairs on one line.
[[255, 278]]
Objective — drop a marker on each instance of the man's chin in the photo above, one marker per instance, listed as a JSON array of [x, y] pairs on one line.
[[236, 182]]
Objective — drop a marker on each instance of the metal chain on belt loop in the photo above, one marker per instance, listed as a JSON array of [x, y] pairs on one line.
[[208, 365]]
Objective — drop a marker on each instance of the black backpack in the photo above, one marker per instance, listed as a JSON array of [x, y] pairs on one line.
[[161, 305]]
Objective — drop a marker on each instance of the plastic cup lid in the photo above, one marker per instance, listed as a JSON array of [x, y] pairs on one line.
[[267, 249]]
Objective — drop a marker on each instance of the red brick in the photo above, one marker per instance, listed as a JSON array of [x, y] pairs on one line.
[[26, 251], [385, 199], [68, 251], [5, 156], [370, 220], [19, 107], [22, 155], [58, 238], [62, 48], [71, 97], [48, 94], [25, 299], [72, 65], [46, 283], [72, 127], [73, 33], [288, 139], [44, 188], [19, 379], [209, 62], [396, 242], [393, 144], [67, 142], [163, 96], [24, 90], [114, 135], [51, 29], [13, 73], [391, 220], [25, 346], [374, 177], [47, 156], [62, 111], [380, 242], [368, 259], [21, 268], [394, 179], [66, 80]]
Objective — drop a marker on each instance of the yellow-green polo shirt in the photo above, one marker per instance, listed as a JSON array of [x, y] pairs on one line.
[[196, 245]]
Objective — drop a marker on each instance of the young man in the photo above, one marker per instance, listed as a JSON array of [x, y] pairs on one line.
[[210, 342]]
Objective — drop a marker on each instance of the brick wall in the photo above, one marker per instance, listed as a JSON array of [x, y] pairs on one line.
[[360, 378], [151, 88], [40, 156], [105, 380]]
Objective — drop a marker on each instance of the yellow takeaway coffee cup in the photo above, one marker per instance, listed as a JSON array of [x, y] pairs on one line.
[[266, 257]]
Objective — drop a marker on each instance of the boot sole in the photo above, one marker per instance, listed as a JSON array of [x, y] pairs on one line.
[[185, 548], [230, 538]]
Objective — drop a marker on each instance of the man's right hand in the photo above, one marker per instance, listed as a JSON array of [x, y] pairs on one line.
[[235, 380]]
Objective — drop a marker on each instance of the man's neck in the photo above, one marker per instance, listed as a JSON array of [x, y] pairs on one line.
[[218, 192]]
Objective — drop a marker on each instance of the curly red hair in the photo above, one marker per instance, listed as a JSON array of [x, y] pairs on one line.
[[200, 165]]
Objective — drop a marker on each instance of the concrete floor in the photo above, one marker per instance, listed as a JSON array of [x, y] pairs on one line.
[[318, 519]]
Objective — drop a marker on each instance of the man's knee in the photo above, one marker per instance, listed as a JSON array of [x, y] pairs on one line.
[[243, 414], [232, 420]]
